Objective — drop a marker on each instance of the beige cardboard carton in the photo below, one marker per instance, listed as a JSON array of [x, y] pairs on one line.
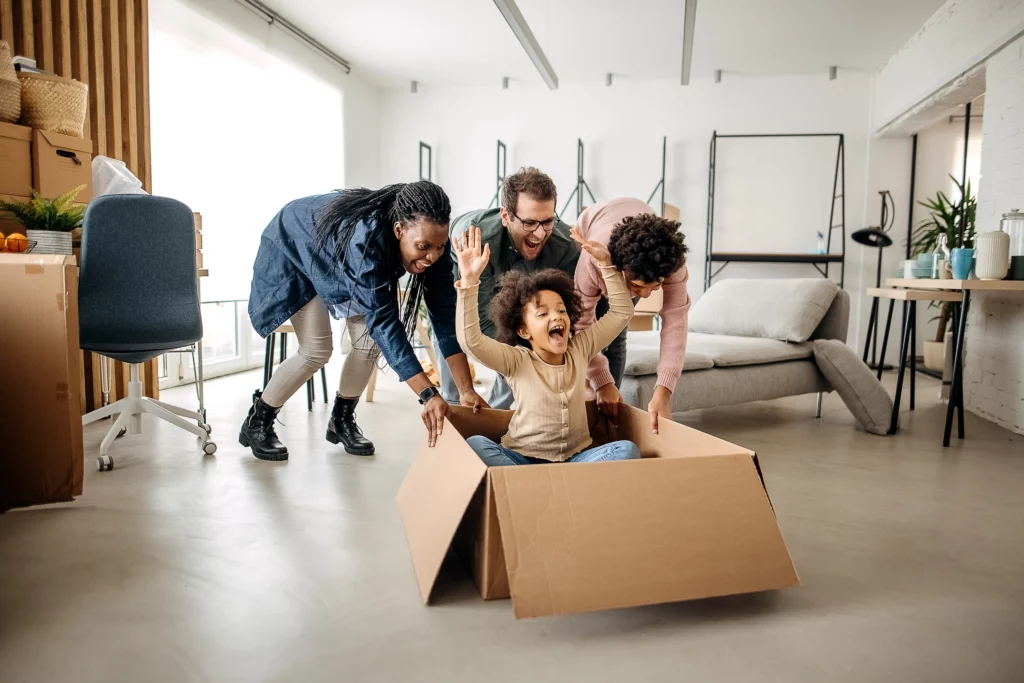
[[15, 159], [690, 520], [61, 163], [41, 460]]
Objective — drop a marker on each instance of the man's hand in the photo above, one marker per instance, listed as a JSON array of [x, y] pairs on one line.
[[597, 251], [608, 398], [660, 406], [471, 399], [472, 258], [434, 411]]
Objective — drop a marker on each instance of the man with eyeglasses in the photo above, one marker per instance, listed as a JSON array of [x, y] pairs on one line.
[[524, 234]]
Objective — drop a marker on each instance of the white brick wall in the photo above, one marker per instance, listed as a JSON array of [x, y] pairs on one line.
[[994, 377]]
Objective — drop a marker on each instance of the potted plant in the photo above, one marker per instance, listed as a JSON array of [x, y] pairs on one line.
[[48, 222], [944, 219]]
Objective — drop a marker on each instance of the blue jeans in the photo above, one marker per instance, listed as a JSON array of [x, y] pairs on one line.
[[495, 455]]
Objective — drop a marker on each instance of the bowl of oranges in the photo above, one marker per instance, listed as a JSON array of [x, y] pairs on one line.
[[14, 243]]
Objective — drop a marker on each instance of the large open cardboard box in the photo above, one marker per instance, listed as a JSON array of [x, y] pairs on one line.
[[690, 520]]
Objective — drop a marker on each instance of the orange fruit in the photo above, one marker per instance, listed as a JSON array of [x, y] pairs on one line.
[[17, 243], [3, 243]]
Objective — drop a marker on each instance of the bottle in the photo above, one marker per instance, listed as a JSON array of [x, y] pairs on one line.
[[940, 256], [821, 243]]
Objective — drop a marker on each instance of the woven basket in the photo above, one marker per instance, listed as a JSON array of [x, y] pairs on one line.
[[7, 72], [10, 101], [53, 103]]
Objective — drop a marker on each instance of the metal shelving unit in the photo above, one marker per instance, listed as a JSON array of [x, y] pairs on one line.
[[712, 257], [581, 184], [502, 158], [430, 161], [661, 183]]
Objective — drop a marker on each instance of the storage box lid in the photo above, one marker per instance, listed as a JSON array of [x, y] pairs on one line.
[[13, 130], [37, 259], [62, 141]]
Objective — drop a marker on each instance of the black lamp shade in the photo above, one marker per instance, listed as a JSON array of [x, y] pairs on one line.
[[872, 237]]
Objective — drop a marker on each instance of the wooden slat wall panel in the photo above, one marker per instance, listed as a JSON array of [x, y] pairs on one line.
[[105, 44], [7, 21]]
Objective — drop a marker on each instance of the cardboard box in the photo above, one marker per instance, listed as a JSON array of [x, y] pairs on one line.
[[15, 159], [61, 163], [690, 520], [41, 460]]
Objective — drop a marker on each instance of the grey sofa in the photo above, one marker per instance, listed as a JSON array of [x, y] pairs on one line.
[[760, 363]]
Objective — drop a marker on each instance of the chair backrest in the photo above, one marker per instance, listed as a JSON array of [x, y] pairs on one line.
[[138, 288]]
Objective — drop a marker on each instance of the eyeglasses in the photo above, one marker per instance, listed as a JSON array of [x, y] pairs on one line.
[[531, 226]]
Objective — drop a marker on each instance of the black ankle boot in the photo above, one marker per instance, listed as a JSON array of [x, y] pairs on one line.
[[343, 428], [258, 431]]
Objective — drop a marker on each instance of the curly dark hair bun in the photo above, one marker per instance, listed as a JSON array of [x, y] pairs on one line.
[[647, 247], [518, 289]]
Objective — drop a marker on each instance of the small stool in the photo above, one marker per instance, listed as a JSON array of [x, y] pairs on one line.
[[908, 344], [268, 363]]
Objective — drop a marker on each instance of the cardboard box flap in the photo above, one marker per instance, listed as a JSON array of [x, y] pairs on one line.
[[585, 537], [62, 141], [433, 499], [11, 130], [673, 440]]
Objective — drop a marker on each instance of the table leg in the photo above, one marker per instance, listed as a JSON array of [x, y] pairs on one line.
[[913, 351], [323, 380], [871, 326], [956, 388], [268, 359], [894, 423], [885, 338]]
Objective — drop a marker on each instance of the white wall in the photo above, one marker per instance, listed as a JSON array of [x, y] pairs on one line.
[[959, 36], [994, 376], [772, 194]]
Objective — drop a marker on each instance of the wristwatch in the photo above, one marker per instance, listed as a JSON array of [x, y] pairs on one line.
[[428, 393]]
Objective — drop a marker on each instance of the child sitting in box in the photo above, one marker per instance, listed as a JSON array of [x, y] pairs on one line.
[[545, 364]]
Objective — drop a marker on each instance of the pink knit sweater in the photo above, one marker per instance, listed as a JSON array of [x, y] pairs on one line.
[[596, 224]]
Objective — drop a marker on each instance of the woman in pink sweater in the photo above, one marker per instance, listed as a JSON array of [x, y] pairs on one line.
[[649, 251]]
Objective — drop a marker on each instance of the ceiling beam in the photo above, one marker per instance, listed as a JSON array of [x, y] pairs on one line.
[[521, 29], [689, 18]]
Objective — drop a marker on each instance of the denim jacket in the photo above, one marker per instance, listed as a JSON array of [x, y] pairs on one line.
[[287, 275]]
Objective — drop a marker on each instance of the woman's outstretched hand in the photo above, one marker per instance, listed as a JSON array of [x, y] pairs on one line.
[[472, 255], [597, 251], [433, 415]]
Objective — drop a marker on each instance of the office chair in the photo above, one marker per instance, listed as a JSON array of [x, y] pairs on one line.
[[138, 297]]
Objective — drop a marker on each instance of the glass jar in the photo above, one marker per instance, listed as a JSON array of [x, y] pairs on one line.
[[1013, 225]]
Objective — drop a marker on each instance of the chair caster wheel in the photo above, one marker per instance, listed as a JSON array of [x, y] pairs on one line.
[[209, 448], [207, 427], [104, 463]]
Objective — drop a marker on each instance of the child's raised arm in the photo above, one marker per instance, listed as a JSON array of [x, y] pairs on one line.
[[620, 305], [472, 261]]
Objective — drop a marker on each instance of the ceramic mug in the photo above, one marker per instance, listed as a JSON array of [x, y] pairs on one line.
[[961, 262], [908, 269]]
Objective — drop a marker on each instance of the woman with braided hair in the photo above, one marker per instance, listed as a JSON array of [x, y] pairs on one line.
[[342, 255]]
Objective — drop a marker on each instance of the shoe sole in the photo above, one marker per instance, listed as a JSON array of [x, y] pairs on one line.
[[244, 440], [333, 438]]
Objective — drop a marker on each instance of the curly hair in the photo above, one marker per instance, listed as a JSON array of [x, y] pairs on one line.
[[531, 182], [518, 289], [647, 247]]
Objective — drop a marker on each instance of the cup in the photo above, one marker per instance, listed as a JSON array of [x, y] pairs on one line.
[[961, 261], [942, 268], [908, 269], [1017, 267], [926, 261]]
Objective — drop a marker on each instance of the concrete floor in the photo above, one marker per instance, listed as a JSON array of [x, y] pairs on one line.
[[179, 567]]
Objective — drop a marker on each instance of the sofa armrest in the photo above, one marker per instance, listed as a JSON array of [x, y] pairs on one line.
[[836, 322]]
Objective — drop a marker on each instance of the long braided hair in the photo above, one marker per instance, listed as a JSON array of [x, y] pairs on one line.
[[400, 203]]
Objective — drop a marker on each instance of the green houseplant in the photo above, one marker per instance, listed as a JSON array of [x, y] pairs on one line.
[[48, 222], [944, 220]]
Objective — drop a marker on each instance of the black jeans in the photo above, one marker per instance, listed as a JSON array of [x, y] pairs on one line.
[[615, 352]]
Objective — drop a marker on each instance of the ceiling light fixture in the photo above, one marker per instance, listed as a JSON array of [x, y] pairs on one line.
[[689, 17], [521, 29]]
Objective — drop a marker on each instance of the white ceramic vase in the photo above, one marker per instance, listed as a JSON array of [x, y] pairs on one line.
[[48, 242], [992, 249]]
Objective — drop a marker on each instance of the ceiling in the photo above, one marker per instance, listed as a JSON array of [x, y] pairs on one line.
[[467, 42]]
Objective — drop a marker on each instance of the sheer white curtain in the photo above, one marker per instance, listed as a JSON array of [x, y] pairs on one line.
[[239, 128]]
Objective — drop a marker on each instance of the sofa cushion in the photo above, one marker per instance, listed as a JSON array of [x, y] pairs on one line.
[[726, 350], [788, 309], [862, 393], [643, 360]]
